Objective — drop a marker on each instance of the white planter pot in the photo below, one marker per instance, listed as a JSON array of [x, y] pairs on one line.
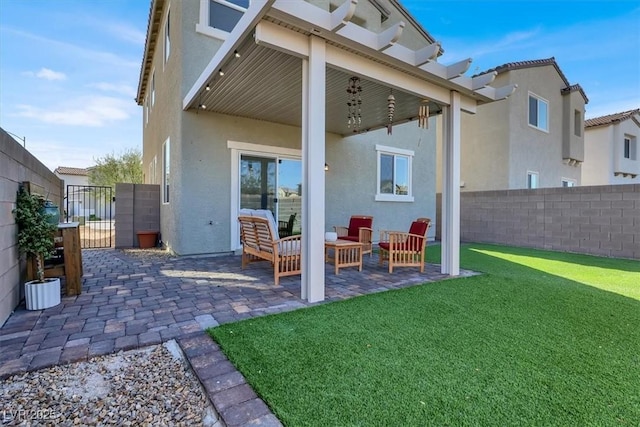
[[42, 295]]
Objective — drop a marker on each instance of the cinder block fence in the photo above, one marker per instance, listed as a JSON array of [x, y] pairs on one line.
[[599, 220]]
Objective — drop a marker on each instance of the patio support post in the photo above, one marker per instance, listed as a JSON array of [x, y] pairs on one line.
[[313, 146], [450, 263]]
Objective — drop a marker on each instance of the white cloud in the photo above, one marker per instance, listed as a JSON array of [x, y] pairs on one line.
[[123, 89], [47, 74], [92, 111]]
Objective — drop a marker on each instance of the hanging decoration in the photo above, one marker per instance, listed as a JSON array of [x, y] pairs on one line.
[[354, 104], [423, 115], [391, 106]]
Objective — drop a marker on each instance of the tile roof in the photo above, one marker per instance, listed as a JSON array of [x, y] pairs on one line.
[[64, 170], [611, 118], [510, 66]]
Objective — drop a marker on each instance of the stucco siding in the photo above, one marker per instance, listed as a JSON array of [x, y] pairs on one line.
[[604, 154], [204, 181], [533, 149], [351, 179], [598, 152], [485, 147]]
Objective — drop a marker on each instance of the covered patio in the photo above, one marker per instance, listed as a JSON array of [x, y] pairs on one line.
[[289, 62]]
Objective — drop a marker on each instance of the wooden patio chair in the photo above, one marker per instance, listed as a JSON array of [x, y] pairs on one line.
[[359, 230], [402, 249], [261, 243]]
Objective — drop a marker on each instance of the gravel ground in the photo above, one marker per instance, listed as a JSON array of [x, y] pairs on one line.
[[147, 387]]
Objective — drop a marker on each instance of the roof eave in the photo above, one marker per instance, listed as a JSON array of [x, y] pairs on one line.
[[155, 13]]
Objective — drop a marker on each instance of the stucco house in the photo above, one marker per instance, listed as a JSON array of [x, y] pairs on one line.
[[533, 139], [611, 149], [244, 99]]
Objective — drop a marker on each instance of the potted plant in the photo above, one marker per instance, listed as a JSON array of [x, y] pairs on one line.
[[35, 239]]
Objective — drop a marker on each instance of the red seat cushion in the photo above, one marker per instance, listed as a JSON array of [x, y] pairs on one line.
[[350, 238], [415, 245], [356, 223]]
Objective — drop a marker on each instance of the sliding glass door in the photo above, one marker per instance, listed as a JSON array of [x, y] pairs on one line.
[[272, 183]]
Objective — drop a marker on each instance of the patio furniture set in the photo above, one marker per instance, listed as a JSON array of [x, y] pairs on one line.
[[260, 239]]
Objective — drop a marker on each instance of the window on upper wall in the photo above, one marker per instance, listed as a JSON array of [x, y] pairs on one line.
[[146, 110], [627, 148], [532, 179], [577, 123], [394, 174], [166, 162], [219, 17], [167, 37], [538, 112], [153, 88], [630, 147], [566, 182]]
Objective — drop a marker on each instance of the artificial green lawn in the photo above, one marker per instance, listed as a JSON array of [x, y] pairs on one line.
[[542, 338]]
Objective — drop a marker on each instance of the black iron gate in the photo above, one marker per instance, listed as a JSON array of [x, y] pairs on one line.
[[94, 208]]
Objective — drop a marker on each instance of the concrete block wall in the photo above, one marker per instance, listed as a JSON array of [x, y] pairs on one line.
[[137, 209], [598, 220], [16, 166]]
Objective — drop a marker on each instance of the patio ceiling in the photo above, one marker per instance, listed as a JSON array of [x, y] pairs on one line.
[[266, 84]]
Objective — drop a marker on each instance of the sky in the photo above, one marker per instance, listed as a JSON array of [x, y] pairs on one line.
[[69, 69]]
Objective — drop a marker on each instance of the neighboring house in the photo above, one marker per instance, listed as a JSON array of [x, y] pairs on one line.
[[611, 149], [244, 99], [81, 202], [534, 139]]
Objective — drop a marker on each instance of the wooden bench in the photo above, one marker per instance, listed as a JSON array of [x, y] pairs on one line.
[[258, 244]]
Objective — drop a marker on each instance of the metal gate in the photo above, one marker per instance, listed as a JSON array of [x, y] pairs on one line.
[[94, 208]]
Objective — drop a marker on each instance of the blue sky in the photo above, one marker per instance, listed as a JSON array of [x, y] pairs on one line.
[[69, 68]]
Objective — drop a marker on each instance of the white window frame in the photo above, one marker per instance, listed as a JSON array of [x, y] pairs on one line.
[[146, 110], [203, 27], [570, 182], [153, 88], [166, 170], [538, 99], [167, 38], [393, 151], [537, 183]]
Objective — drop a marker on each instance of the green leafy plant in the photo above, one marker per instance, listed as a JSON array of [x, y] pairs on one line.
[[35, 232]]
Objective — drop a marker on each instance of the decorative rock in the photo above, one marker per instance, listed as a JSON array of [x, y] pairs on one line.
[[147, 386]]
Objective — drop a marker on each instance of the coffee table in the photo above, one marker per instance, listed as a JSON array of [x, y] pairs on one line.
[[345, 254]]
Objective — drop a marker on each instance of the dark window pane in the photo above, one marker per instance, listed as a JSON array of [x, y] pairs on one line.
[[222, 17], [627, 148], [386, 174], [533, 111]]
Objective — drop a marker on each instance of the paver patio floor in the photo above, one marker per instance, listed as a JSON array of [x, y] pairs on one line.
[[129, 301]]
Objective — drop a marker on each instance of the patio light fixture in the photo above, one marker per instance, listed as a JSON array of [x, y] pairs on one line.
[[208, 88], [236, 54], [221, 72], [326, 167]]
